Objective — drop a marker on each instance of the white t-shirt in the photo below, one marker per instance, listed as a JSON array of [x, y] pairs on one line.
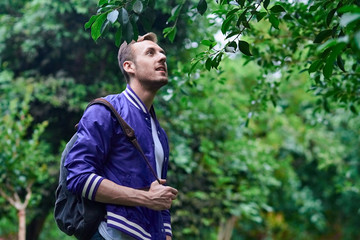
[[159, 151]]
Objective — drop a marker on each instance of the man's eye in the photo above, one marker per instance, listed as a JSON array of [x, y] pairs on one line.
[[149, 53]]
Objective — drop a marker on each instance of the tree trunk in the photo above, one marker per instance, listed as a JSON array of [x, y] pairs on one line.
[[226, 228], [22, 224], [20, 206]]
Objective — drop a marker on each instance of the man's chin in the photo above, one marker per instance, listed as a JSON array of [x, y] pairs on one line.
[[161, 82], [156, 84]]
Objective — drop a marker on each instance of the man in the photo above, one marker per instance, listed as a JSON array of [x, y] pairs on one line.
[[103, 164]]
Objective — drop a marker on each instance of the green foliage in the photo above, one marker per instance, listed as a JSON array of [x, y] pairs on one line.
[[264, 140], [250, 27], [276, 177], [24, 156]]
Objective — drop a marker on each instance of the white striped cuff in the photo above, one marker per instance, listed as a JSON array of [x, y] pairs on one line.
[[168, 229], [91, 183]]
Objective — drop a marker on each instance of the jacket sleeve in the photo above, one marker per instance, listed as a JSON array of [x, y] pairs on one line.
[[167, 222], [166, 213], [86, 158]]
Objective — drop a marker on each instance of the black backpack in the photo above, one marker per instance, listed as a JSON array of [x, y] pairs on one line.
[[75, 215]]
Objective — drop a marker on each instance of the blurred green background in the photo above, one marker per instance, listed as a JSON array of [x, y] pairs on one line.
[[264, 138]]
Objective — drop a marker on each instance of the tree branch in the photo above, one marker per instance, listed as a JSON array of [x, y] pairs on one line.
[[8, 198]]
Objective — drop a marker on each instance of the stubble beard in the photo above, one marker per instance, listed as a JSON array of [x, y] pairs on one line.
[[154, 85]]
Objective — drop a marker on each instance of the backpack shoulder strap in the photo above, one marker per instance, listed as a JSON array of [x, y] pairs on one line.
[[130, 133]]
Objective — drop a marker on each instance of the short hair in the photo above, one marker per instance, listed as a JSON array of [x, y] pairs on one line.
[[126, 53]]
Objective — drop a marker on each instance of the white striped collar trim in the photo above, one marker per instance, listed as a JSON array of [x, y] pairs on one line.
[[127, 96], [134, 99]]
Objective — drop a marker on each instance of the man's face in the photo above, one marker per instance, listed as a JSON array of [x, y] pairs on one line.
[[150, 64]]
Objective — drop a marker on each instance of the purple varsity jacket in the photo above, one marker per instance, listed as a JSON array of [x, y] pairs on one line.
[[103, 151]]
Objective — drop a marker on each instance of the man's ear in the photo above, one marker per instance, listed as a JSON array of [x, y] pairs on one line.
[[129, 67]]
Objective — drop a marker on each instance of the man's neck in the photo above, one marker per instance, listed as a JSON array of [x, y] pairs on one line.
[[146, 95]]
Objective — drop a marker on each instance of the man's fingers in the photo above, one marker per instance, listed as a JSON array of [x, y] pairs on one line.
[[173, 190], [173, 193], [162, 181]]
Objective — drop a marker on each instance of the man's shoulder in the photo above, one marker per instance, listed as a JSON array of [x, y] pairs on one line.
[[113, 98], [118, 101]]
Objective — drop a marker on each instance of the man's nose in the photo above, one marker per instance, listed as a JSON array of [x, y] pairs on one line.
[[162, 57]]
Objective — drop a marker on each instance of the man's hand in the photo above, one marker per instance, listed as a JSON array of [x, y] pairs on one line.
[[168, 237], [161, 196]]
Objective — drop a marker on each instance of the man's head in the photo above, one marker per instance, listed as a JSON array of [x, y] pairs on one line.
[[143, 60]]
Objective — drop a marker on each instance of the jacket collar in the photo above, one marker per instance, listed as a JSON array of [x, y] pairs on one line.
[[137, 102], [134, 99]]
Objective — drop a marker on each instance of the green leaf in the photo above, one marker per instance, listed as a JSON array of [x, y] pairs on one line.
[[242, 18], [201, 7], [260, 16], [326, 105], [322, 36], [328, 68], [325, 53], [97, 26], [118, 36], [349, 8], [314, 7], [170, 33], [232, 12], [315, 66], [273, 100], [91, 21], [134, 18], [104, 28], [102, 2], [193, 65], [138, 7], [241, 3], [207, 43], [233, 33], [277, 9], [246, 24], [231, 47], [233, 44], [353, 109], [174, 13], [357, 39], [133, 21], [128, 32], [226, 24], [348, 18], [244, 48], [208, 64], [217, 60], [330, 16], [340, 63], [266, 3], [123, 17], [274, 21], [326, 45], [167, 30], [112, 16]]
